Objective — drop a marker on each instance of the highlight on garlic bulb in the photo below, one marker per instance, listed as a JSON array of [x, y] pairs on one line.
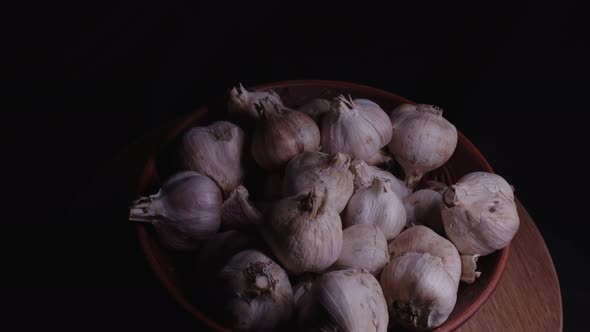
[[281, 134], [364, 246], [304, 233], [420, 282], [479, 213], [186, 208], [316, 108], [377, 205], [468, 268], [241, 100], [237, 211], [423, 208], [215, 151], [422, 139], [310, 169], [259, 292], [346, 300], [358, 130], [365, 174]]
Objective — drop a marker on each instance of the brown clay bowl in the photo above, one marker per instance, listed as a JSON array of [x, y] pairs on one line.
[[466, 159]]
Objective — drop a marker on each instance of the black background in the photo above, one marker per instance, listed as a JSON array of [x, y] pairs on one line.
[[85, 80]]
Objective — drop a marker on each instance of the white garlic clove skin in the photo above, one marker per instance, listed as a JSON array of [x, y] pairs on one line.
[[479, 214], [357, 130], [187, 208], [310, 169], [365, 174], [281, 134], [423, 208], [364, 246], [241, 100], [422, 239], [316, 108], [347, 300], [468, 268], [377, 205], [304, 233], [419, 292], [237, 211], [260, 294], [422, 139], [215, 151]]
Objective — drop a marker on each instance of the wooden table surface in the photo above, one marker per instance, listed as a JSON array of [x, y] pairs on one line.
[[528, 297]]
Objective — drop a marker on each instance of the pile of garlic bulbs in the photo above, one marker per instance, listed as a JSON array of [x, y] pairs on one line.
[[335, 241]]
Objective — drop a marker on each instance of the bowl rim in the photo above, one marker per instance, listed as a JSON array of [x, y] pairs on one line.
[[150, 170]]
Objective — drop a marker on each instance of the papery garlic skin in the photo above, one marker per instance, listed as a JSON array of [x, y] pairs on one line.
[[422, 139], [261, 297], [364, 246], [237, 211], [423, 239], [310, 169], [468, 268], [479, 214], [304, 233], [423, 208], [419, 292], [281, 134], [215, 151], [241, 100], [377, 205], [365, 174], [420, 282], [186, 208], [316, 108], [357, 130], [348, 300]]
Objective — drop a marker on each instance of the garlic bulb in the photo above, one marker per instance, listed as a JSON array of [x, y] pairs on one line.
[[357, 130], [304, 233], [215, 151], [316, 108], [420, 282], [423, 208], [237, 211], [377, 205], [422, 239], [242, 101], [347, 300], [186, 208], [422, 139], [468, 268], [281, 134], [479, 213], [259, 291], [365, 174], [310, 169], [363, 246]]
